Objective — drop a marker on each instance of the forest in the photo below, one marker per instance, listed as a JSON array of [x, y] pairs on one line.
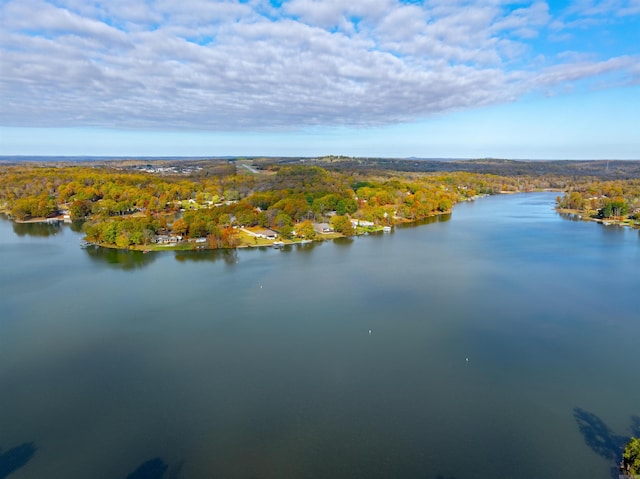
[[226, 203]]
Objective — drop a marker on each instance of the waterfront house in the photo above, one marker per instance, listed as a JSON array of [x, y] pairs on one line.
[[323, 228]]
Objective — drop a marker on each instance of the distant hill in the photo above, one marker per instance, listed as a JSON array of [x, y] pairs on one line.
[[603, 169]]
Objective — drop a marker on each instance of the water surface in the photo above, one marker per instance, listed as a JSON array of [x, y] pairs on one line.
[[497, 343]]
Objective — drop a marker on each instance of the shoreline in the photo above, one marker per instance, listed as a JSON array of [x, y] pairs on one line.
[[276, 244], [584, 216], [190, 245]]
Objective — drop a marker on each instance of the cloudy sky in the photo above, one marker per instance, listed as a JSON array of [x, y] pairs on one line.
[[431, 78]]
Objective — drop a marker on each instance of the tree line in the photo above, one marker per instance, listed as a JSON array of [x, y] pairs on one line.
[[125, 207]]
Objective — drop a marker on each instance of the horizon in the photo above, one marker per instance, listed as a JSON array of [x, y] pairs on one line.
[[6, 158]]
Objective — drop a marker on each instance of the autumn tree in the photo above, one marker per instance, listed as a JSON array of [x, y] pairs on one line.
[[306, 230], [180, 227], [342, 224], [80, 209]]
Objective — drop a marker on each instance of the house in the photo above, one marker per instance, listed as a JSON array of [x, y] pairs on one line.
[[265, 233], [361, 223], [167, 239], [323, 228]]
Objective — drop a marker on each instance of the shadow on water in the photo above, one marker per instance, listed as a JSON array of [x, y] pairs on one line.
[[156, 468], [601, 439], [120, 259], [635, 426], [152, 469], [229, 256], [15, 458]]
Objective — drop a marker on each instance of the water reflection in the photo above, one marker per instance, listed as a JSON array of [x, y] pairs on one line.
[[443, 218], [77, 226], [287, 377], [306, 248], [120, 259], [36, 229], [16, 458], [44, 229], [344, 242], [571, 216], [229, 256], [606, 228], [287, 248]]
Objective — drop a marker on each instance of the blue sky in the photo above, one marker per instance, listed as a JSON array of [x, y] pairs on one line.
[[432, 78]]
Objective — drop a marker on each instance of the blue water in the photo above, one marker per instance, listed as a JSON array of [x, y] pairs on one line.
[[500, 342]]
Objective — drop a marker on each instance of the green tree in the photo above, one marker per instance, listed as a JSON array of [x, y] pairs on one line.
[[631, 457], [263, 219], [444, 204], [109, 232], [199, 228], [224, 219], [231, 195], [122, 240], [247, 217], [614, 207], [283, 220], [286, 231]]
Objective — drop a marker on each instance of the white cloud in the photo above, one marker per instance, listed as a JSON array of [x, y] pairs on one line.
[[604, 7], [48, 19], [331, 13], [571, 72], [227, 65]]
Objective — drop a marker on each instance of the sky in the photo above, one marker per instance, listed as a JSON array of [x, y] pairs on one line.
[[380, 78]]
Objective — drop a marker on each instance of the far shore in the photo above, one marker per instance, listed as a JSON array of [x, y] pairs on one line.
[[42, 220], [588, 216]]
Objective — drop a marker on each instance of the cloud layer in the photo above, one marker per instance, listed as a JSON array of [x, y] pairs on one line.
[[259, 64]]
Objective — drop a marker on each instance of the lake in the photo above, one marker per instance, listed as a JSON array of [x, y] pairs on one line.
[[498, 342]]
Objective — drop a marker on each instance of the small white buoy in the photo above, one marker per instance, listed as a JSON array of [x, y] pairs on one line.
[[467, 359], [369, 331], [260, 286]]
